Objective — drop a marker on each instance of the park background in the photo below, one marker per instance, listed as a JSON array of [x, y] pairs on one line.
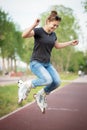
[[15, 52]]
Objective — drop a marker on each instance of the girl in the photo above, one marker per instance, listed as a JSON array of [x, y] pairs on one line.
[[44, 41]]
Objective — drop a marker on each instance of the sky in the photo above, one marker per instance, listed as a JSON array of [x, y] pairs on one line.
[[24, 12]]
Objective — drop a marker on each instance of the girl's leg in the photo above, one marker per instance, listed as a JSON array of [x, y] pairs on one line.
[[55, 77], [47, 75], [44, 78], [42, 73]]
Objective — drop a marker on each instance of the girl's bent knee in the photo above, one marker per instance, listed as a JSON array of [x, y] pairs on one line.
[[49, 81], [58, 83]]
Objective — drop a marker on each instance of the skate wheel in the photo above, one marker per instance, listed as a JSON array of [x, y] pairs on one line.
[[43, 111]]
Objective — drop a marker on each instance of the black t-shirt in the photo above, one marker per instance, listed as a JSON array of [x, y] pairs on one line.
[[43, 44]]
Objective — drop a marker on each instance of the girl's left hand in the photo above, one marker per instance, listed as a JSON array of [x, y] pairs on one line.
[[74, 42]]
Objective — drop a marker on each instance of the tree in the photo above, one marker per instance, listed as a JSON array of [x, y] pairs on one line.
[[3, 34], [27, 51], [84, 3], [77, 61], [10, 40]]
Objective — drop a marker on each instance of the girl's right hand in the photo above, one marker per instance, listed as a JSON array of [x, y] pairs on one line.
[[37, 21]]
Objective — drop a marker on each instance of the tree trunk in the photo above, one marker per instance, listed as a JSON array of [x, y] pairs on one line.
[[8, 64], [3, 66], [12, 68], [15, 67]]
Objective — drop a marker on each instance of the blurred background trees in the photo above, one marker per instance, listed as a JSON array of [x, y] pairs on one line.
[[10, 41]]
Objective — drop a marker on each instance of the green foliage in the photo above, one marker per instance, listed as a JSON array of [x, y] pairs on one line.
[[27, 49], [84, 4], [9, 98], [76, 61], [68, 26], [10, 38], [6, 33], [85, 65]]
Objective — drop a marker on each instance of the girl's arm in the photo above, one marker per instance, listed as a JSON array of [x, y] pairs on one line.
[[65, 44], [29, 31]]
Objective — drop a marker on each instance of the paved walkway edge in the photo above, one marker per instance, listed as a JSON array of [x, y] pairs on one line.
[[17, 110]]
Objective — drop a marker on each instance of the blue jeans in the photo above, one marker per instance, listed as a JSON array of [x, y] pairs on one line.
[[47, 76]]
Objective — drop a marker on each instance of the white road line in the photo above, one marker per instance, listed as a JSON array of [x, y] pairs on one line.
[[62, 109]]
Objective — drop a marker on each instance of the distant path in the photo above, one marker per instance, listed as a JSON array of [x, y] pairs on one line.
[[67, 110], [6, 80]]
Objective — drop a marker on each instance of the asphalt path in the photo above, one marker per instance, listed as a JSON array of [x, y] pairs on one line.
[[67, 110]]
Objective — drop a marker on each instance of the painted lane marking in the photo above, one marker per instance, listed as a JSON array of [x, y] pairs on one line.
[[62, 109]]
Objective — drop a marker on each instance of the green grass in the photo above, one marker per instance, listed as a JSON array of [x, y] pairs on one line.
[[68, 76], [9, 96]]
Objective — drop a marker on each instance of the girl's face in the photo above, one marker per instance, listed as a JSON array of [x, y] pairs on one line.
[[52, 25]]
